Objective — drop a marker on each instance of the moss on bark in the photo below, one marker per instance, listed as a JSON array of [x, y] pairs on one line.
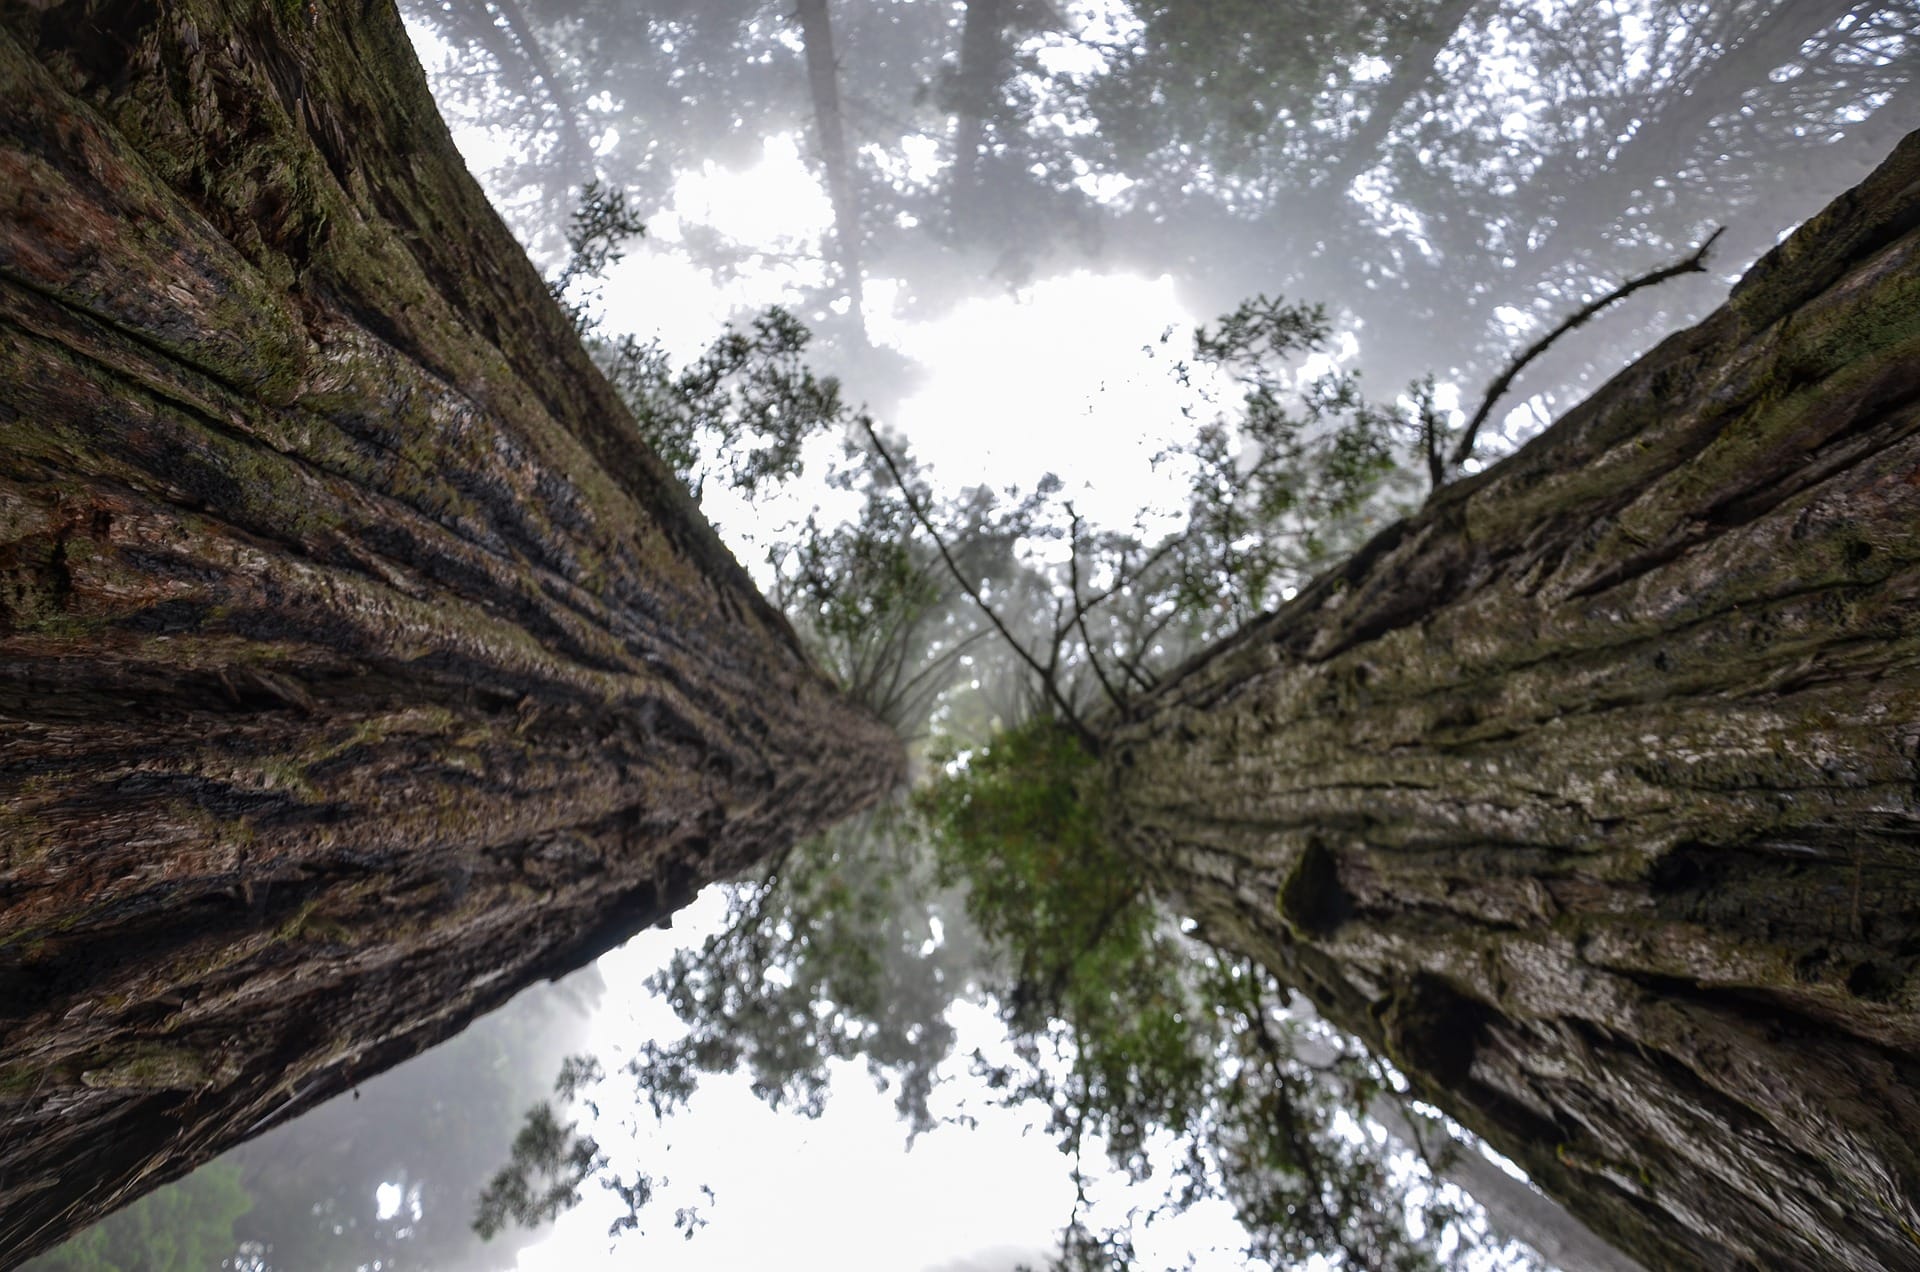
[[1588, 795], [357, 666]]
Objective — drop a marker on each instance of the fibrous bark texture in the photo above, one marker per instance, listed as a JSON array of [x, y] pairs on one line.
[[358, 666], [1588, 794]]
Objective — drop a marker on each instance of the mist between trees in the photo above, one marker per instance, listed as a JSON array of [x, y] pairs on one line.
[[1418, 198]]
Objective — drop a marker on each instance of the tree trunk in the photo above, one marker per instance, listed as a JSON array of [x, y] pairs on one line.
[[1411, 74], [1589, 193], [1587, 795], [566, 110], [982, 60], [358, 666], [1514, 1210], [823, 85]]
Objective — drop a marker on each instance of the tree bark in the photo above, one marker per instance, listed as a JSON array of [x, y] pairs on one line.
[[1515, 1211], [1588, 794], [358, 665]]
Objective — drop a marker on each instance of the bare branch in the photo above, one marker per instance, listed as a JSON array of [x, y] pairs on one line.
[[1693, 264], [1080, 615], [1047, 681]]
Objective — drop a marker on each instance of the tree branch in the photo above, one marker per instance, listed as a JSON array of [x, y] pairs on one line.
[[1047, 681], [1693, 264], [1080, 615]]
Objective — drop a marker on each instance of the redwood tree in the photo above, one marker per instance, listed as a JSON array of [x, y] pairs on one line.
[[1588, 794], [358, 665]]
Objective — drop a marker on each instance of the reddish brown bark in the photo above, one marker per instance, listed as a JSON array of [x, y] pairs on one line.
[[358, 666]]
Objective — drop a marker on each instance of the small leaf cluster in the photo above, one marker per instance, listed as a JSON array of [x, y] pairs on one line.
[[1298, 471], [743, 410]]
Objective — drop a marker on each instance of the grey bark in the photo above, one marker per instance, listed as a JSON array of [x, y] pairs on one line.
[[1588, 795]]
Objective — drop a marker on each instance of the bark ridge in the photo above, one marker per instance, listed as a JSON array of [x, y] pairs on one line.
[[358, 666], [1588, 794]]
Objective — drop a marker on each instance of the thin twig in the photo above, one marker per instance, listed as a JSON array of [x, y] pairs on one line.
[[1129, 577], [1080, 615], [1693, 264], [1052, 689]]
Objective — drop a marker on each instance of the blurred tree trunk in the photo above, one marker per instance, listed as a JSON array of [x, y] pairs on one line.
[[358, 666], [1596, 190], [830, 134], [1588, 794], [566, 110], [982, 66], [1410, 76]]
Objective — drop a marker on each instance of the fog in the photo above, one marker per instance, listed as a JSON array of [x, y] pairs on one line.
[[1002, 221]]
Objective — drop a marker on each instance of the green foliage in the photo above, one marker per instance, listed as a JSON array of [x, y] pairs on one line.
[[548, 1162], [874, 599], [743, 409], [1298, 472], [834, 955], [184, 1228], [597, 235], [1137, 1037]]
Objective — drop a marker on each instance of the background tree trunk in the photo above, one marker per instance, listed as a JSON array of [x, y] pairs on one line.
[[1587, 795], [978, 78], [836, 160], [358, 666], [1414, 70]]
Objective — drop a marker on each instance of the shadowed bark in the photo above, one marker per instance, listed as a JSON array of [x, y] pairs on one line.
[[1588, 794], [358, 666]]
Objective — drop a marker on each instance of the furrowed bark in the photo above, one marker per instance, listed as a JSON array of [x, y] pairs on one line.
[[358, 665], [1588, 794]]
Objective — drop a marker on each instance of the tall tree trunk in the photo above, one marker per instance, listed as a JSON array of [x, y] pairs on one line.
[[358, 665], [1589, 193], [566, 110], [823, 83], [1410, 76], [1588, 794], [982, 60]]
